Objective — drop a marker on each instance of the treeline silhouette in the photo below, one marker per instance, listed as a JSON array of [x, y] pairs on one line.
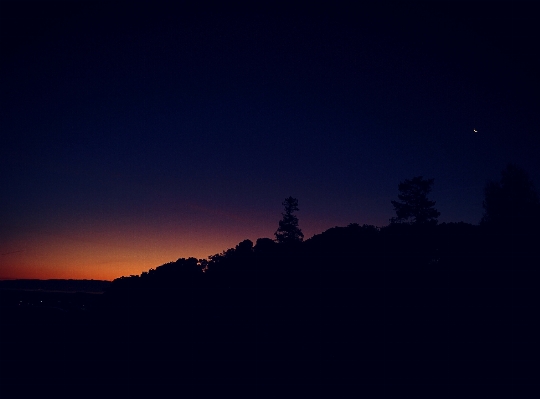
[[414, 309], [413, 251], [406, 310], [398, 256]]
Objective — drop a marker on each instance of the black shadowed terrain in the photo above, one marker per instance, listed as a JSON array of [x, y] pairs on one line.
[[413, 309]]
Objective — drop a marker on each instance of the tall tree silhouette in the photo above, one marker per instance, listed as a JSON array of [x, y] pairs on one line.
[[414, 207], [512, 200], [288, 230]]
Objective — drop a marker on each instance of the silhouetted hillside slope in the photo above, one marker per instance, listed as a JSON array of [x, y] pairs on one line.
[[398, 256], [409, 310], [405, 310]]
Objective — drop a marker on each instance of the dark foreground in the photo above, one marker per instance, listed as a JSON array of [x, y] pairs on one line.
[[321, 343]]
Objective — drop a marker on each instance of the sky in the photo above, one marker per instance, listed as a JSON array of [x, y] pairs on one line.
[[137, 133]]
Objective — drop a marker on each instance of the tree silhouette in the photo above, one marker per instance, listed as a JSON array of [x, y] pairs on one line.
[[512, 200], [288, 230], [415, 208]]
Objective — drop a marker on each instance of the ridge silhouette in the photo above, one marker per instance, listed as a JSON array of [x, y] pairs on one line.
[[401, 310]]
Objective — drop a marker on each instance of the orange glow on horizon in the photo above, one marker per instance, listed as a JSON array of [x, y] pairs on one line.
[[105, 254], [109, 249], [92, 261]]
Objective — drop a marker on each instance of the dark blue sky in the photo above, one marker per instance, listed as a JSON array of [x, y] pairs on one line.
[[136, 133]]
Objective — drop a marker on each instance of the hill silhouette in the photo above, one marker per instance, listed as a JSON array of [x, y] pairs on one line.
[[397, 256], [405, 310]]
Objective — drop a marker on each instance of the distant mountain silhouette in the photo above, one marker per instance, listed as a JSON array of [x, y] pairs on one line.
[[90, 286]]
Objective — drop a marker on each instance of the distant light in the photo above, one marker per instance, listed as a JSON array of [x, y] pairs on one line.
[[474, 130]]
